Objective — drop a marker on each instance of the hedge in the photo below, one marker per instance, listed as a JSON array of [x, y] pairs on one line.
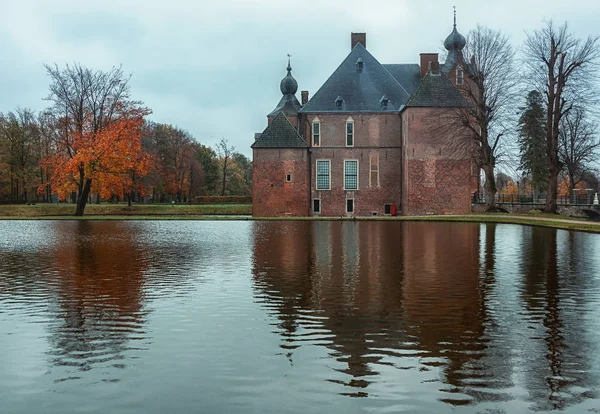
[[222, 199]]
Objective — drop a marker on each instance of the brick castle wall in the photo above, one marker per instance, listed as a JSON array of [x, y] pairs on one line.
[[375, 135], [438, 173], [272, 196]]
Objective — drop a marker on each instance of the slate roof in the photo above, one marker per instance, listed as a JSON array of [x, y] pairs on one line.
[[279, 134], [288, 104], [407, 75], [436, 90], [361, 90]]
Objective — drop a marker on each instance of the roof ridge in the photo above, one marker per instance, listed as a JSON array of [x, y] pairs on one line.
[[393, 77], [359, 88]]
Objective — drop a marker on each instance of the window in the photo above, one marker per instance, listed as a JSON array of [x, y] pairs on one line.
[[288, 178], [323, 175], [350, 132], [316, 205], [316, 132], [374, 171], [349, 205], [460, 76], [351, 175], [387, 209]]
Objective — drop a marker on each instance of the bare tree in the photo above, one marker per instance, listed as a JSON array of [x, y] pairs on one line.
[[564, 68], [578, 143], [490, 90], [224, 152]]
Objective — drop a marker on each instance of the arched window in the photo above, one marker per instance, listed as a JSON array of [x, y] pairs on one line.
[[460, 75], [349, 132]]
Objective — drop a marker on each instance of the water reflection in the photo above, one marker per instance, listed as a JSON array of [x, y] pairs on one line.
[[99, 299], [417, 317], [436, 300], [553, 295]]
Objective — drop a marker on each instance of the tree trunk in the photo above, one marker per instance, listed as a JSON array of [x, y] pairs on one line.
[[97, 198], [552, 195], [129, 196], [490, 188], [224, 177], [82, 197]]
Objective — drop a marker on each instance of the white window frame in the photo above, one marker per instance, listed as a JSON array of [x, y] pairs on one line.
[[314, 122], [317, 175], [349, 121], [357, 176], [313, 206], [286, 177], [353, 206], [460, 75]]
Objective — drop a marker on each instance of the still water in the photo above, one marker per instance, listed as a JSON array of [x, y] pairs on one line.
[[297, 317]]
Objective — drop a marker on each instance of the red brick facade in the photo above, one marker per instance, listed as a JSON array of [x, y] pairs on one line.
[[438, 174], [377, 151], [273, 195], [397, 159]]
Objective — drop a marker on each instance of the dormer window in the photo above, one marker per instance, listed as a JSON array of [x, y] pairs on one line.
[[350, 132], [316, 132], [384, 102], [359, 65], [460, 76], [338, 102]]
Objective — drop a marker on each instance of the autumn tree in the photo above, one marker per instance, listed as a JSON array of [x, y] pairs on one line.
[[19, 135], [578, 144], [564, 67], [489, 88], [177, 171], [207, 158], [240, 175], [49, 132], [531, 141], [101, 131]]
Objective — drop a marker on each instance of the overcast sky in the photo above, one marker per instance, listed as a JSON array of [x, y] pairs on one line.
[[214, 67]]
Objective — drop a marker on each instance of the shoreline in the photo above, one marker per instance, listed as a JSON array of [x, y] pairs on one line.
[[559, 222]]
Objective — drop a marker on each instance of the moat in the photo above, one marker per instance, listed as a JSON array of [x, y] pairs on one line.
[[297, 317]]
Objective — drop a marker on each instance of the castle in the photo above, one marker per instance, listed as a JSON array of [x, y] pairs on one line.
[[365, 144]]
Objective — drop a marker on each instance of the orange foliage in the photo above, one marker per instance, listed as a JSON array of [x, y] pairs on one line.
[[564, 187], [510, 192], [111, 157]]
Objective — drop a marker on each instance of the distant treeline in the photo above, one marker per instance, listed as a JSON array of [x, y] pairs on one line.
[[94, 143]]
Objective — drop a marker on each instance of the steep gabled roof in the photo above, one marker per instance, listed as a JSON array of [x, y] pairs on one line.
[[407, 75], [361, 90], [279, 134], [436, 90]]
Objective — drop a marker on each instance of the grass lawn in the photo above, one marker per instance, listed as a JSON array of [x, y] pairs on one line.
[[243, 212], [122, 210]]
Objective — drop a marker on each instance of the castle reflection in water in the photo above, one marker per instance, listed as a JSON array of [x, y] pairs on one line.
[[482, 319]]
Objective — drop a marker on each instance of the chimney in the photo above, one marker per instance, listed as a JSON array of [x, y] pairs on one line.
[[358, 38], [435, 68], [426, 58], [304, 97]]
